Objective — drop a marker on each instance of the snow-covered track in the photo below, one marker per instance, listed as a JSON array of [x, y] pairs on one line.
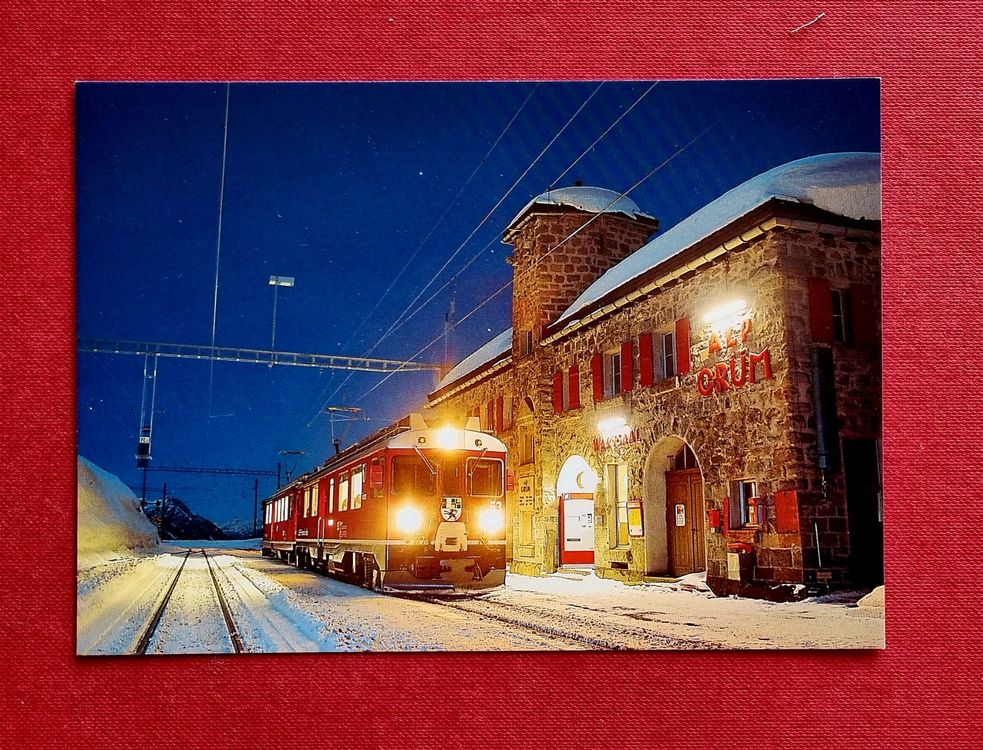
[[148, 633], [547, 621], [224, 605]]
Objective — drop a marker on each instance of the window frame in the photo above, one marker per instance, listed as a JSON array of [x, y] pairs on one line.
[[469, 475], [343, 492], [612, 373], [669, 365], [840, 314], [741, 490]]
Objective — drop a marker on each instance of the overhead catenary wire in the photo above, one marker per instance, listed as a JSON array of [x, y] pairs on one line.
[[400, 319], [218, 241], [570, 236], [475, 257], [423, 242]]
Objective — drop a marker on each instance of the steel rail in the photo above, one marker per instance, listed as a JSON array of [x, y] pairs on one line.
[[148, 633], [226, 612]]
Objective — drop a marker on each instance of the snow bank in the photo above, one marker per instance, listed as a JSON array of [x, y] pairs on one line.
[[110, 522], [846, 184], [874, 599]]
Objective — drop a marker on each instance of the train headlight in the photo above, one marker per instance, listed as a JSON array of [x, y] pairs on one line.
[[491, 520], [448, 438], [409, 520]]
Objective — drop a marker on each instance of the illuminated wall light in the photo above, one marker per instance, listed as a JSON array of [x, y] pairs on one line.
[[613, 426], [725, 311]]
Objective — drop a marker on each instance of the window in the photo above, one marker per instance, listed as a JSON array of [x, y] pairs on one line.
[[840, 299], [358, 479], [315, 492], [412, 476], [612, 374], [331, 495], [343, 492], [669, 355], [307, 502], [617, 487], [527, 446], [527, 343], [741, 492], [485, 477]]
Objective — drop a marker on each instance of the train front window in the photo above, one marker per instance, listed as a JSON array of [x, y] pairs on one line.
[[485, 477], [412, 476], [450, 474]]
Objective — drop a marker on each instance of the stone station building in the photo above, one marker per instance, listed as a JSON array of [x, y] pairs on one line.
[[707, 399]]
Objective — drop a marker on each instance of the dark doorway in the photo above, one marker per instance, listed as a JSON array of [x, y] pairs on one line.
[[865, 510]]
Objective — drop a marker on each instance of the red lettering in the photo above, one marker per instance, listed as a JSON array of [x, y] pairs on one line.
[[735, 379], [722, 384], [765, 359], [714, 344], [745, 330], [704, 381]]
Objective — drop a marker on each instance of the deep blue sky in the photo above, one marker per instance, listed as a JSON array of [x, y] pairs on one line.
[[338, 185]]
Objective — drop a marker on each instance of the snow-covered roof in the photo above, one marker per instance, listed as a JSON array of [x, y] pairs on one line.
[[495, 348], [845, 184], [593, 200]]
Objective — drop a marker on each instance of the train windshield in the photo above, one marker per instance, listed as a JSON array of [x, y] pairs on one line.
[[412, 476], [485, 477]]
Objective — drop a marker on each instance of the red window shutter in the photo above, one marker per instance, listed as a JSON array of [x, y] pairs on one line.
[[575, 387], [627, 370], [820, 311], [683, 362], [864, 315], [500, 413], [646, 364], [558, 392], [597, 377]]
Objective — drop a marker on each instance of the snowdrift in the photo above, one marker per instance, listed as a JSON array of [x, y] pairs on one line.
[[109, 519]]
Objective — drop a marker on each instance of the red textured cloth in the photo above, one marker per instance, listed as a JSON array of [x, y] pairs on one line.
[[925, 690]]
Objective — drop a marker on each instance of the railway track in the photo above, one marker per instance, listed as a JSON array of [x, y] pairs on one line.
[[147, 637], [551, 623]]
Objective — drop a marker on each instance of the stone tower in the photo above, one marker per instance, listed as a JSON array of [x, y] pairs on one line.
[[563, 241]]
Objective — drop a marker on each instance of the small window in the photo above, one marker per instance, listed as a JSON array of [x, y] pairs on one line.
[[331, 495], [412, 476], [841, 314], [669, 355], [485, 477], [315, 491], [741, 493], [527, 343], [358, 482], [612, 374], [343, 492], [307, 502]]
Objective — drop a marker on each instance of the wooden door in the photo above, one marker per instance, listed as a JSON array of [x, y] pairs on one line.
[[684, 500]]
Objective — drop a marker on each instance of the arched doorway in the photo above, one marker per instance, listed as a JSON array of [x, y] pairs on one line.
[[575, 488], [675, 519]]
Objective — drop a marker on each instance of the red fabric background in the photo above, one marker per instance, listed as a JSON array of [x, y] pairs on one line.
[[923, 691]]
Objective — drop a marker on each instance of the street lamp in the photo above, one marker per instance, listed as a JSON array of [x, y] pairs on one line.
[[276, 282]]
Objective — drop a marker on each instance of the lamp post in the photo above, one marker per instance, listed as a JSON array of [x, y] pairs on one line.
[[276, 282]]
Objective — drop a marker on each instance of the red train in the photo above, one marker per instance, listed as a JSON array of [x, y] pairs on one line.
[[412, 507]]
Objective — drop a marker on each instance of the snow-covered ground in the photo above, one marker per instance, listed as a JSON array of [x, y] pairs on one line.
[[124, 576]]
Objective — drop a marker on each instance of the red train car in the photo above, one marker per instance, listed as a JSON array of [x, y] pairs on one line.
[[412, 507]]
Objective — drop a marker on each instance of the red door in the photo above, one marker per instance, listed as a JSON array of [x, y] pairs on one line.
[[577, 529]]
